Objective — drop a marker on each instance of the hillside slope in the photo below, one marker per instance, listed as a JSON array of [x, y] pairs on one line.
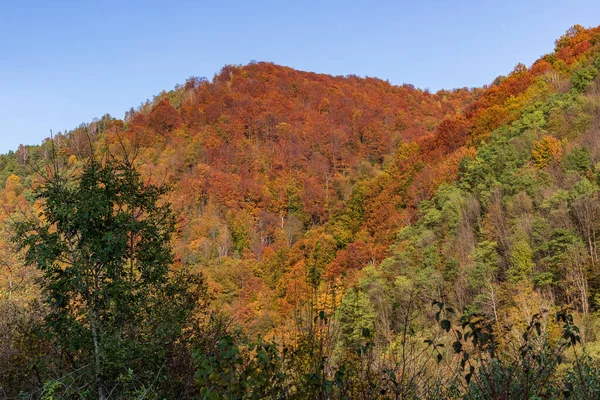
[[327, 213], [266, 162], [259, 157], [300, 193]]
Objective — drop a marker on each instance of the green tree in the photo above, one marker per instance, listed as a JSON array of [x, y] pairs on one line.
[[102, 243], [356, 313], [521, 259]]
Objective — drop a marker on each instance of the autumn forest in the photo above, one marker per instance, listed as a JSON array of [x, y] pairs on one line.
[[279, 234]]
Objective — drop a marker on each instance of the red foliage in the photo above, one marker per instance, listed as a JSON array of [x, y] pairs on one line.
[[163, 117], [283, 150]]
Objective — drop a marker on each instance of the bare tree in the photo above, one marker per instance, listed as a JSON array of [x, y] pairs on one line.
[[22, 155], [292, 227], [586, 212]]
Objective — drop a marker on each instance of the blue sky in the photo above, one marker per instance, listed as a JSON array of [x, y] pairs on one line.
[[65, 62]]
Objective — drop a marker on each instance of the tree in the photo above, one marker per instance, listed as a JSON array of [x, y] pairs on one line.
[[356, 313], [102, 244], [164, 118], [545, 151], [586, 212]]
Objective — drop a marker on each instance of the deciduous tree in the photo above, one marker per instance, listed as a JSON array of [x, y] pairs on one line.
[[102, 244]]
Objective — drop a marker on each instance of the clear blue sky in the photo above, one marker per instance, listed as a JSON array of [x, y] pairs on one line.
[[65, 62]]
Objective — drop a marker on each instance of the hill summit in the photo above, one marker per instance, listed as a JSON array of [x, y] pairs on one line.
[[336, 209]]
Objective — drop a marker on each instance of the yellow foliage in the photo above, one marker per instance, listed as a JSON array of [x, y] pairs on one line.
[[12, 181], [545, 151], [11, 191]]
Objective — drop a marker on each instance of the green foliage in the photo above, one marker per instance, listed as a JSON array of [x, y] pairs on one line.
[[238, 225], [344, 226], [224, 371], [578, 160], [486, 265], [553, 252], [335, 166], [583, 380], [355, 315], [583, 77], [582, 188], [533, 372], [521, 258], [102, 243]]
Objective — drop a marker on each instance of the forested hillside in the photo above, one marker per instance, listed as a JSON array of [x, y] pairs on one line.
[[333, 237]]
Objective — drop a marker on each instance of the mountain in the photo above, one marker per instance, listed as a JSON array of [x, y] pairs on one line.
[[302, 193], [265, 158]]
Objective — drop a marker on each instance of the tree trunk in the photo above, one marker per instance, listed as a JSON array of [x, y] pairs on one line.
[[97, 362]]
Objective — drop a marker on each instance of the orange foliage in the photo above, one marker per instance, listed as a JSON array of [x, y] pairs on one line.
[[545, 151], [264, 159]]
